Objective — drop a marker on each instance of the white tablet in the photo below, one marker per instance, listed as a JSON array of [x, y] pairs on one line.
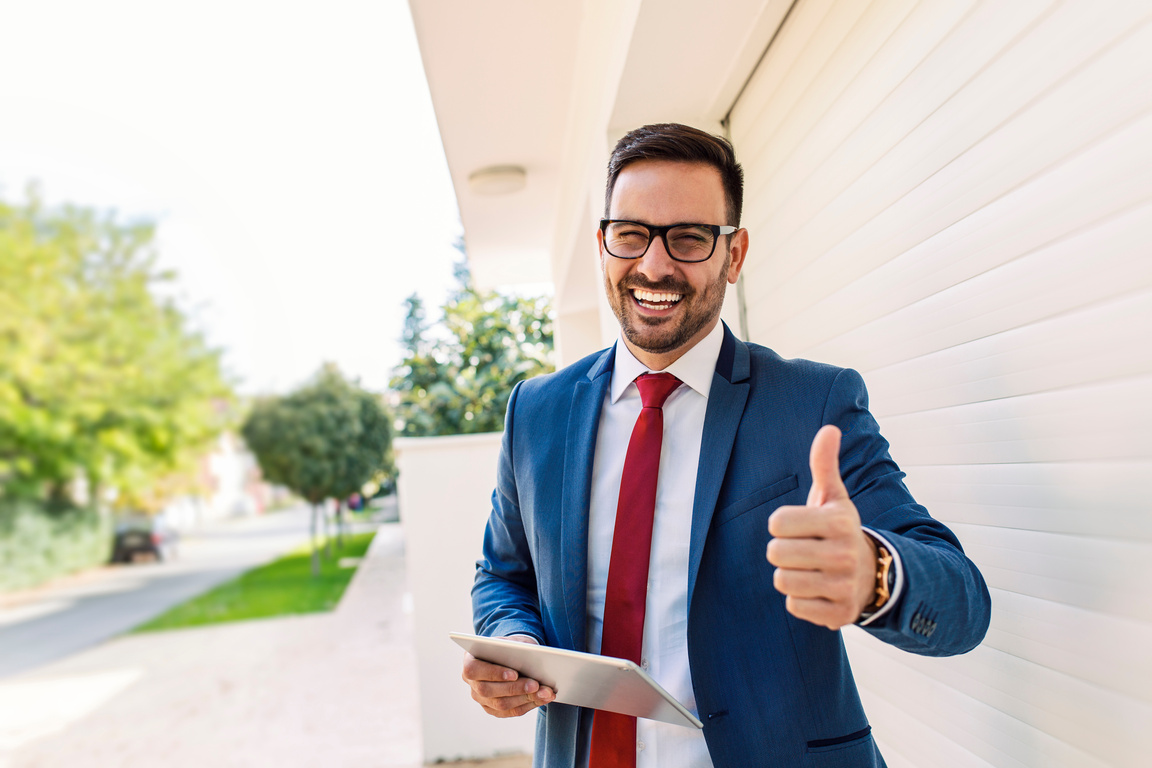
[[583, 679]]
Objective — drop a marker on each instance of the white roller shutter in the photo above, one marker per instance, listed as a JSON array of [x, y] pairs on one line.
[[955, 198]]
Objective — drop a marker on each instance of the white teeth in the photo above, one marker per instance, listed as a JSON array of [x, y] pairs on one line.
[[647, 298]]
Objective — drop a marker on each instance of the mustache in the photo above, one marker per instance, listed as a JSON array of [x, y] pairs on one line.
[[666, 285]]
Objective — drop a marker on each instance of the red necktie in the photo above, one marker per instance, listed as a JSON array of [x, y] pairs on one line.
[[614, 735]]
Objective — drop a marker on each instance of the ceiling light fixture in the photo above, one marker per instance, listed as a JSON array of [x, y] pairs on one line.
[[498, 180]]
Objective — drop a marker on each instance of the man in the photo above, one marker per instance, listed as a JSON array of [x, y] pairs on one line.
[[775, 515]]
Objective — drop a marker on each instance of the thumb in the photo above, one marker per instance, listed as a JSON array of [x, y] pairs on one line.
[[825, 463]]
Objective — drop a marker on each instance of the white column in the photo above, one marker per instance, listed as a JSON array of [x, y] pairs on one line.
[[445, 489]]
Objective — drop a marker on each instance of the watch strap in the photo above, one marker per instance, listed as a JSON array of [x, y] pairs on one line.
[[885, 580]]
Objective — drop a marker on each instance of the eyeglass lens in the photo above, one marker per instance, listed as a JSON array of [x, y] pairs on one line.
[[626, 240]]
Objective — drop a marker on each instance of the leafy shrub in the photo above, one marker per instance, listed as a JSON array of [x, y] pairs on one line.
[[37, 544]]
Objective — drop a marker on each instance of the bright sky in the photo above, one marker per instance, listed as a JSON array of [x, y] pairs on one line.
[[288, 151]]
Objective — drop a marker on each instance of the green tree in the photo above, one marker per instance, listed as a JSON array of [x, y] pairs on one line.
[[457, 375], [323, 441], [100, 378]]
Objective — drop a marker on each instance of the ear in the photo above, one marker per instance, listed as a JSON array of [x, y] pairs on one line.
[[738, 249], [600, 246]]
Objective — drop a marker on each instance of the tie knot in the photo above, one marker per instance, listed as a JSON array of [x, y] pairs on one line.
[[655, 388]]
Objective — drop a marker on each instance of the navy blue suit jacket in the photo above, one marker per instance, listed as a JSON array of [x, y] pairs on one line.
[[771, 689]]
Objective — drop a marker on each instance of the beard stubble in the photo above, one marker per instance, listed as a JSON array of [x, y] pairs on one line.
[[659, 335]]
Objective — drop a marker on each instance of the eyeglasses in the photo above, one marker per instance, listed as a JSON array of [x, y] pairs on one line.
[[689, 243]]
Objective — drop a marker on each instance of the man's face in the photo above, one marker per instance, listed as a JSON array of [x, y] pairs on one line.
[[665, 306]]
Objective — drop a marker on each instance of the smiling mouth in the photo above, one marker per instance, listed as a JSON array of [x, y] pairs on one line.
[[656, 300]]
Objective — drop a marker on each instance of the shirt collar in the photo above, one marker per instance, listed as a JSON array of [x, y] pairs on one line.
[[695, 367]]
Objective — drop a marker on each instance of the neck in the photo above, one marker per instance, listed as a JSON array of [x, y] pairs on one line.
[[658, 361]]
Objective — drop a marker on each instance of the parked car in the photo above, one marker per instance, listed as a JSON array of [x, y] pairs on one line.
[[143, 538]]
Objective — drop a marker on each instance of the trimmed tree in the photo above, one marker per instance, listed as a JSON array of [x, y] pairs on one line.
[[457, 375], [323, 441]]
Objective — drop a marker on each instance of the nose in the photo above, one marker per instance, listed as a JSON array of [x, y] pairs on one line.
[[656, 263]]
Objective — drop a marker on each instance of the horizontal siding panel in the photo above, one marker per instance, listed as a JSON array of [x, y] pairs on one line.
[[786, 203], [997, 693], [922, 702], [1105, 422], [942, 728], [1082, 595], [781, 165], [1077, 194], [812, 32], [907, 742], [1087, 498], [1122, 238], [1119, 520], [848, 85], [943, 172], [1101, 648], [1053, 280], [1082, 347], [1102, 575]]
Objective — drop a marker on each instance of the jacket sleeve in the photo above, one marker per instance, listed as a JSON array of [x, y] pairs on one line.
[[944, 607], [504, 596]]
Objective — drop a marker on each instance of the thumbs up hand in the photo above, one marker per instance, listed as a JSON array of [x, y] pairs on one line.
[[825, 563]]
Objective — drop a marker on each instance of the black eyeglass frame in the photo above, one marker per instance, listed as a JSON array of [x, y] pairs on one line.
[[662, 232]]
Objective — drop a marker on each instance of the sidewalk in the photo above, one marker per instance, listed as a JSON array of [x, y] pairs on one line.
[[336, 689]]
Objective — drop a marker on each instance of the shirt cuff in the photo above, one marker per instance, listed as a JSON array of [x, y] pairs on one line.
[[897, 589]]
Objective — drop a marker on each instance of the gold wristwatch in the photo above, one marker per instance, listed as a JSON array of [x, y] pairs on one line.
[[885, 581]]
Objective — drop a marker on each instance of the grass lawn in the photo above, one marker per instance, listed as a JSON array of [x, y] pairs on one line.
[[282, 587]]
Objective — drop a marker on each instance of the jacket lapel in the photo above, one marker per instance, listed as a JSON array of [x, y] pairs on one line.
[[726, 402], [579, 452]]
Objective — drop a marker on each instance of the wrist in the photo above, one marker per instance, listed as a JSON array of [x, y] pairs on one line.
[[883, 580]]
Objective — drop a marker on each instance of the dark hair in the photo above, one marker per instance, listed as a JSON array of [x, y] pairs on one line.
[[682, 143]]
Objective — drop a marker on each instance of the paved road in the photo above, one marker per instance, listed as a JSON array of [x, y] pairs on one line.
[[75, 613]]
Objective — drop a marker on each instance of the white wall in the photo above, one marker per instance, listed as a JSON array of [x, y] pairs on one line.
[[445, 489], [955, 198]]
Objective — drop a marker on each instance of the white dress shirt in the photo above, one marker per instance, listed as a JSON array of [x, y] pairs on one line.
[[665, 645]]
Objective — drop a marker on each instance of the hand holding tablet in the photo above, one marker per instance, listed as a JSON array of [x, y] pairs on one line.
[[580, 679], [500, 690]]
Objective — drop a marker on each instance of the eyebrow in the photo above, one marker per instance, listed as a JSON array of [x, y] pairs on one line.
[[673, 224]]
